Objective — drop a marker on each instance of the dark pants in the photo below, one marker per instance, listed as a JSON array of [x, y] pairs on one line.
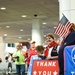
[[61, 62], [10, 67], [20, 69]]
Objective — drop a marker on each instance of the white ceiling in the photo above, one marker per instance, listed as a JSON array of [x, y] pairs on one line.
[[46, 10]]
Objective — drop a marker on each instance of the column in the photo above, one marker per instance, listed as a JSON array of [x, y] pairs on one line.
[[37, 32], [67, 7], [2, 47]]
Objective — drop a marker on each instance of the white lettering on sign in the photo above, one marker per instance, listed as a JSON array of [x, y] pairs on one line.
[[46, 63], [45, 73], [73, 73]]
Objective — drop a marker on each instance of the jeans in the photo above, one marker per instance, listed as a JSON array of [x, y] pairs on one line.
[[20, 69]]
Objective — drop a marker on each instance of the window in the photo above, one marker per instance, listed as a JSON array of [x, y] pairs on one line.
[[11, 45]]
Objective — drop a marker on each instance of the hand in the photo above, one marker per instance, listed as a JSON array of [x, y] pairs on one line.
[[39, 54], [6, 60], [25, 60], [48, 58]]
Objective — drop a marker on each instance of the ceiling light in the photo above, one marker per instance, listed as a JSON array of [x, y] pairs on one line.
[[19, 37], [7, 26], [54, 27], [28, 38], [2, 8], [44, 35], [5, 34], [24, 16], [21, 29], [44, 23]]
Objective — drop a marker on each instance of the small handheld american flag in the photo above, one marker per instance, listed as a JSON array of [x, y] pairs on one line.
[[63, 27]]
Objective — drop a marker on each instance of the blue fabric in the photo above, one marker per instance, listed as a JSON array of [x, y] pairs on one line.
[[35, 57], [63, 20], [20, 68], [69, 67]]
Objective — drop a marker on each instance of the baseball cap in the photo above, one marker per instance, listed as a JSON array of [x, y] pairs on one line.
[[32, 41]]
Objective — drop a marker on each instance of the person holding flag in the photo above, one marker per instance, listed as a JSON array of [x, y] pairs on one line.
[[66, 30]]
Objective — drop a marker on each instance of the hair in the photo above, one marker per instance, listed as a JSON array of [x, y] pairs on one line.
[[40, 48], [73, 27], [50, 35], [0, 60]]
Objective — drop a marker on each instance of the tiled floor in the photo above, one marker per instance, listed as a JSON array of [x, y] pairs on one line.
[[3, 69]]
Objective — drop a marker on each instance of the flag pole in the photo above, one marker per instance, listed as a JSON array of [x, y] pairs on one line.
[[62, 14]]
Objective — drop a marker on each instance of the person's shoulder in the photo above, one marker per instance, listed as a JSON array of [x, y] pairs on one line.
[[73, 32], [35, 57]]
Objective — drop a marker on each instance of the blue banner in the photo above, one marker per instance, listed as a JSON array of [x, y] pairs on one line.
[[69, 60]]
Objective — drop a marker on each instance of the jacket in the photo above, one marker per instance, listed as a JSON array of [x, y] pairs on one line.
[[69, 40]]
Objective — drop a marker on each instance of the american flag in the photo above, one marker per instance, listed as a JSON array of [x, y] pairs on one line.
[[63, 27]]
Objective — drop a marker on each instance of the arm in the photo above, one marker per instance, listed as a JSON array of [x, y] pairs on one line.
[[70, 39], [52, 57], [30, 66], [26, 54], [14, 55]]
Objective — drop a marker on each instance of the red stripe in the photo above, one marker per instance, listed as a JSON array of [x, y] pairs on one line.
[[62, 30]]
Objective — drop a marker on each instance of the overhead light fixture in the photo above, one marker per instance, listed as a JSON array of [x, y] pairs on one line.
[[19, 37], [44, 23], [24, 16], [5, 34], [21, 29], [28, 38], [7, 26], [44, 35], [54, 27], [2, 8]]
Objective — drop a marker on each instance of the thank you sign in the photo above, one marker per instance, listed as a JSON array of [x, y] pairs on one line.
[[45, 67]]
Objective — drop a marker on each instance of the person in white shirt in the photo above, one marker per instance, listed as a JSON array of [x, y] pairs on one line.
[[8, 59]]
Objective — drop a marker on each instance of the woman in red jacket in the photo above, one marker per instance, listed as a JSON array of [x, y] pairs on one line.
[[30, 52]]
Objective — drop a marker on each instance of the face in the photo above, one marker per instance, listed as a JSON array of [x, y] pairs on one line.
[[49, 40], [32, 45], [18, 47]]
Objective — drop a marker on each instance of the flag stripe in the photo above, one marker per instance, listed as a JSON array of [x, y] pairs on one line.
[[62, 30]]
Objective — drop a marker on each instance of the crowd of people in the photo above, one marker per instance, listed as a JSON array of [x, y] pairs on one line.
[[52, 50]]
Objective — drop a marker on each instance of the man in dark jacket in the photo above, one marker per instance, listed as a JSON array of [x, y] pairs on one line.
[[69, 40]]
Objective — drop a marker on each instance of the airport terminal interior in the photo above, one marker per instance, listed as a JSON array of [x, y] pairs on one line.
[[19, 20]]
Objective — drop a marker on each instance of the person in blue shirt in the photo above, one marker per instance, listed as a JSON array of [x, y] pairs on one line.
[[39, 56]]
